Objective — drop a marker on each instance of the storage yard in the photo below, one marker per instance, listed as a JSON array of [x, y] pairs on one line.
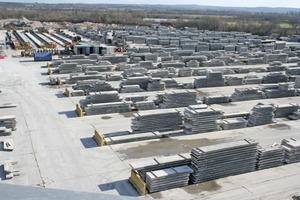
[[153, 112]]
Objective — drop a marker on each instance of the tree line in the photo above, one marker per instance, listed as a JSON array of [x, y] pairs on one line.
[[257, 23]]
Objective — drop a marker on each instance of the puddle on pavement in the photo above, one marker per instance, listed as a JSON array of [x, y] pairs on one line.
[[280, 126], [165, 147], [106, 117], [127, 114], [198, 188], [199, 142]]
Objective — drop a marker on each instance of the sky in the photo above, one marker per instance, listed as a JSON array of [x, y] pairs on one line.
[[227, 3]]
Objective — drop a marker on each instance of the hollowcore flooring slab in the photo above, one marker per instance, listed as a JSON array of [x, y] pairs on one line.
[[53, 130]]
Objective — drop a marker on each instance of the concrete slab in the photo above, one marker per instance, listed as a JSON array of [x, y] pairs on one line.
[[54, 147]]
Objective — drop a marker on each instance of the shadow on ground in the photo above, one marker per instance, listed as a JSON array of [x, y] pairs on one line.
[[89, 142], [2, 174], [44, 84], [25, 61], [68, 114], [60, 95], [1, 146], [123, 187]]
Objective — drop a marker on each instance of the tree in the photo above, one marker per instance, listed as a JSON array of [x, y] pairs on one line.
[[294, 22], [209, 23]]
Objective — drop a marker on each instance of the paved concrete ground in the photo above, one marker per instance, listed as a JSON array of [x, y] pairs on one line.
[[54, 147]]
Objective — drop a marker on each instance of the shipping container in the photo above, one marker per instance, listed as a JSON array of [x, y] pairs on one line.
[[43, 56]]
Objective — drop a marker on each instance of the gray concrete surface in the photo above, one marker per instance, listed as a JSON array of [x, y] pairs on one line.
[[54, 147]]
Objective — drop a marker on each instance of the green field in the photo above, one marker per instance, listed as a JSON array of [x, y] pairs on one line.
[[285, 25]]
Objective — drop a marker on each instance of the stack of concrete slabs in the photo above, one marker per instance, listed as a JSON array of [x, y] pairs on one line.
[[66, 68], [234, 123], [222, 160], [295, 115], [5, 131], [101, 86], [261, 114], [216, 99], [245, 94], [170, 82], [131, 137], [145, 105], [105, 108], [100, 97], [142, 81], [291, 149], [179, 98], [162, 162], [156, 120], [200, 120], [169, 178], [155, 84], [174, 160], [8, 121], [275, 77], [284, 110], [104, 97], [279, 93], [270, 157]]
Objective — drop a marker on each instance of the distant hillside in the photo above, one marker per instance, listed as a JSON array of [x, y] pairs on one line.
[[238, 9], [146, 7]]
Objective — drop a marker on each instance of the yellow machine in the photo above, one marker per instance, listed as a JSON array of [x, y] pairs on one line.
[[26, 45]]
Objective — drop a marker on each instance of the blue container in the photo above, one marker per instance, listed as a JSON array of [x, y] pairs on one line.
[[43, 56], [87, 51]]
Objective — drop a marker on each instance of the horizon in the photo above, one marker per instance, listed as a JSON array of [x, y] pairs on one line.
[[217, 3]]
